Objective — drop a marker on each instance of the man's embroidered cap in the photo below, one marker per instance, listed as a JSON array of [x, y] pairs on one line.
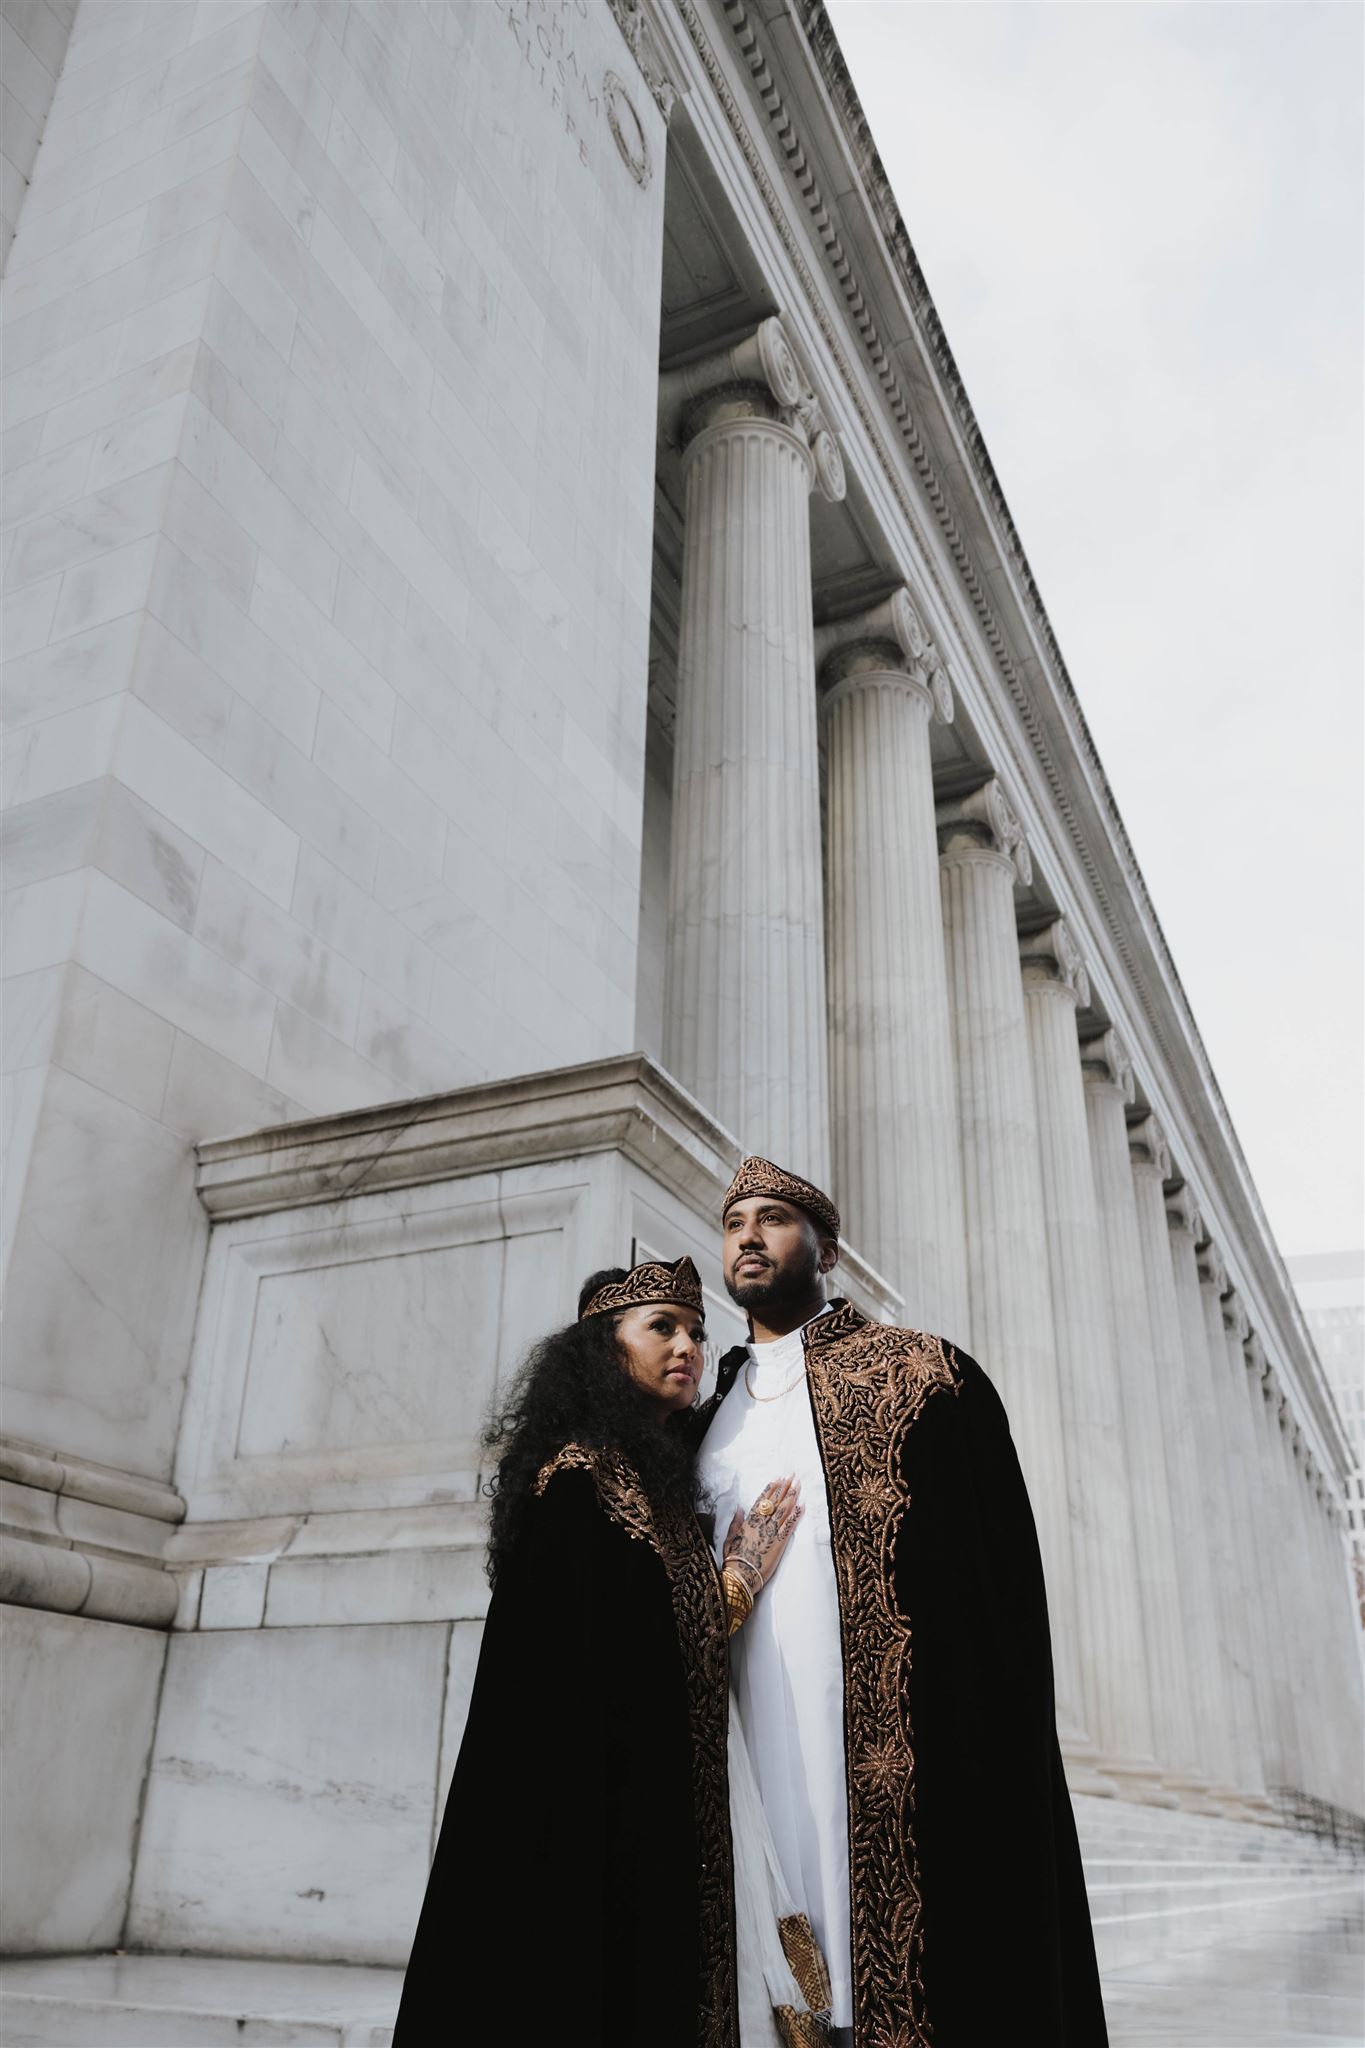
[[646, 1283], [761, 1177]]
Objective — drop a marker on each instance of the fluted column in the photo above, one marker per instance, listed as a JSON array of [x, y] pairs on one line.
[[1286, 1666], [1113, 1656], [1151, 1168], [1316, 1704], [1263, 1563], [744, 1025], [1247, 1616], [892, 1097], [1108, 1091], [1341, 1631], [1236, 1765], [982, 851]]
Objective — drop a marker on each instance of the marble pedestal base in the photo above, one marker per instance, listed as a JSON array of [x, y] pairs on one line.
[[372, 1283]]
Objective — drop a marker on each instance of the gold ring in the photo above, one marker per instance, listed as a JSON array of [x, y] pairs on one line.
[[766, 1506]]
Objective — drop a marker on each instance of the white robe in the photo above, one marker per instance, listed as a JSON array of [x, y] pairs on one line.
[[787, 1660]]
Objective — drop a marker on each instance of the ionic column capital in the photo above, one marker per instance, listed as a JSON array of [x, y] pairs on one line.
[[1051, 958], [1105, 1064], [1213, 1271], [1235, 1319], [1182, 1213], [885, 640], [984, 821], [1148, 1148], [754, 379]]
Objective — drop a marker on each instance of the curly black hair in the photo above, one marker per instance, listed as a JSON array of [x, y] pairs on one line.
[[574, 1388]]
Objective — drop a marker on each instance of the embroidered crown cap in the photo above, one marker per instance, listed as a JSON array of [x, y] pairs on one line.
[[761, 1177], [650, 1281]]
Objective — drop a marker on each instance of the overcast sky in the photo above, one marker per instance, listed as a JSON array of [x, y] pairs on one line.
[[1142, 227]]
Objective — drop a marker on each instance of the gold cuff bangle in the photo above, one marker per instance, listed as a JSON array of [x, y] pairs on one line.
[[739, 1601], [746, 1564]]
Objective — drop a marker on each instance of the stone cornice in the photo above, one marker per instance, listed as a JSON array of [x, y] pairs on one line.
[[57, 1472], [627, 1105], [793, 44], [631, 20]]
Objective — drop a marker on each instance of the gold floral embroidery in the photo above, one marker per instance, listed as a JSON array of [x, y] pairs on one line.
[[869, 1383], [699, 1612]]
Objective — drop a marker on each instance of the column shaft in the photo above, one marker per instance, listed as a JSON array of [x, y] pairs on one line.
[[1248, 1613], [1197, 1612], [1236, 1762], [894, 1111], [1106, 1087], [1113, 1656], [1287, 1662], [1264, 1618], [745, 1022], [1007, 1262]]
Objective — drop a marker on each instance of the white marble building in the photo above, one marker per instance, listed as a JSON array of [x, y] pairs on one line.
[[521, 681]]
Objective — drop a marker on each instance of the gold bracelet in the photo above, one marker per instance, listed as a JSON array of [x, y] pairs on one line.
[[739, 1601], [746, 1564]]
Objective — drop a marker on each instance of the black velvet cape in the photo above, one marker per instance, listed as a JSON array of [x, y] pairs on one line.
[[971, 1927], [582, 1888]]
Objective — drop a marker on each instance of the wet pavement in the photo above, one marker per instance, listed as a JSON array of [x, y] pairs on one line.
[[1293, 1976]]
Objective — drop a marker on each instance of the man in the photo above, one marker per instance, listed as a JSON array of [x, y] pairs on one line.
[[895, 1681]]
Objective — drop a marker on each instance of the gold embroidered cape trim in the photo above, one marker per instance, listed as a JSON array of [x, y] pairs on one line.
[[699, 1613], [868, 1385]]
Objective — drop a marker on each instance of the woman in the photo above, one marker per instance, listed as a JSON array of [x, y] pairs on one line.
[[584, 1882]]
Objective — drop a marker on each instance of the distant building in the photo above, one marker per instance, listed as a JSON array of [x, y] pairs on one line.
[[1331, 1291]]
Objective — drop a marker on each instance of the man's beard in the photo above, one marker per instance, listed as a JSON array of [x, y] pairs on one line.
[[774, 1287]]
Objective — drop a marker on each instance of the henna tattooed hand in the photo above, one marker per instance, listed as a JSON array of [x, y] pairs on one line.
[[755, 1542]]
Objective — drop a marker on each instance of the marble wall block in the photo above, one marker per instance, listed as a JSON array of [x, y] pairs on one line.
[[289, 1807], [345, 1357], [466, 1640], [94, 1352], [329, 561], [79, 1697], [33, 41]]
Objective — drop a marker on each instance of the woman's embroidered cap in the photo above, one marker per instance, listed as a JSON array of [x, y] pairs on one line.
[[648, 1282], [761, 1177]]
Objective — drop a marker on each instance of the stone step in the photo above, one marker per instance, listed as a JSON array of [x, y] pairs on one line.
[[1134, 1896], [1130, 1928], [194, 2002], [1115, 1870], [1138, 1852], [1144, 1909]]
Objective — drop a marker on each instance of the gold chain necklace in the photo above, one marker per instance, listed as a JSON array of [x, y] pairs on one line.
[[749, 1387]]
